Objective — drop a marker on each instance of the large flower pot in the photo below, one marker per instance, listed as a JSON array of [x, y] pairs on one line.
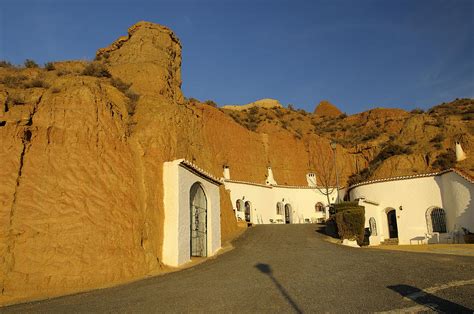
[[469, 238]]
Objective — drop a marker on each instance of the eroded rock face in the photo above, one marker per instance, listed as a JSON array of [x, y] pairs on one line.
[[149, 58], [70, 210]]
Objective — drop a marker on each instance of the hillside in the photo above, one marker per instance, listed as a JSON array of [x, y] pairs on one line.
[[380, 142], [83, 144]]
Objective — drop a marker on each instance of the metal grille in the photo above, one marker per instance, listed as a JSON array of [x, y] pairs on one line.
[[287, 213], [198, 221], [373, 226], [319, 207], [279, 208], [438, 220], [247, 211], [240, 205]]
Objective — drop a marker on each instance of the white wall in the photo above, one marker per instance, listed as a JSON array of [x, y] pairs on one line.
[[411, 198], [458, 196], [178, 181], [264, 199]]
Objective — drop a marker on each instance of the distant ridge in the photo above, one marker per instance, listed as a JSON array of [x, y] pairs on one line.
[[262, 103]]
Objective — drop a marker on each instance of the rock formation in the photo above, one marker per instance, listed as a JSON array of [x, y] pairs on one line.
[[262, 103], [326, 109]]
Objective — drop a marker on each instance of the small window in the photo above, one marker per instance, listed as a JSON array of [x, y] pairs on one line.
[[436, 220], [373, 226], [319, 207], [279, 208], [240, 205]]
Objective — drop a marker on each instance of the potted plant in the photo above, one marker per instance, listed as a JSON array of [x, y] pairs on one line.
[[468, 236]]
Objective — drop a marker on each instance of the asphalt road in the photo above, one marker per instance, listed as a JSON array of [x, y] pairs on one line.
[[289, 268]]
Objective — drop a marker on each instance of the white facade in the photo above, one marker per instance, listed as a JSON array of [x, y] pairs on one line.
[[414, 199], [263, 201], [178, 178]]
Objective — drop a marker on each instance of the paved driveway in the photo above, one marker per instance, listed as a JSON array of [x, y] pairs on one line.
[[290, 268]]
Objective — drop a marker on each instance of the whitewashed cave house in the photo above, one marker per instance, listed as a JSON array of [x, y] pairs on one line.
[[416, 209], [270, 203], [192, 226]]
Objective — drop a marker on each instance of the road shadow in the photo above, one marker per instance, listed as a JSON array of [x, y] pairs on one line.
[[327, 231], [267, 270], [429, 300]]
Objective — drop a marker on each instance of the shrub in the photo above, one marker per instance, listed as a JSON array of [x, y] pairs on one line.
[[132, 95], [37, 83], [437, 139], [350, 223], [14, 81], [15, 100], [253, 111], [392, 150], [63, 72], [412, 142], [210, 103], [445, 160], [370, 136], [417, 111], [96, 69], [30, 63], [5, 64], [49, 66], [120, 85], [291, 107], [467, 117]]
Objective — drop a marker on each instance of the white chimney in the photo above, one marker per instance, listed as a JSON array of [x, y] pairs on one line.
[[460, 155], [226, 173], [270, 179], [311, 178]]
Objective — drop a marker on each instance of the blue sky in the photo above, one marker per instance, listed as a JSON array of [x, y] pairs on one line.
[[356, 54]]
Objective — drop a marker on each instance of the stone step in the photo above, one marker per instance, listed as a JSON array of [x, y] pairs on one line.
[[393, 241]]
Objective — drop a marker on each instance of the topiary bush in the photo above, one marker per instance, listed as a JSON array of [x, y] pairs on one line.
[[350, 223]]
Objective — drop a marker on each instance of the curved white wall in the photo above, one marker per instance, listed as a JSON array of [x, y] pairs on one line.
[[411, 198]]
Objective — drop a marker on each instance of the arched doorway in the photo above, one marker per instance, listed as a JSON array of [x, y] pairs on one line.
[[392, 224], [198, 203], [287, 213], [248, 208]]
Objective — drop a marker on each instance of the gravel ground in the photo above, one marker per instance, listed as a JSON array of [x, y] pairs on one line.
[[290, 268]]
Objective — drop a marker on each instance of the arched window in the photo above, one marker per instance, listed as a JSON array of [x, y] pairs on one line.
[[436, 220], [279, 208], [319, 207], [373, 226], [240, 205]]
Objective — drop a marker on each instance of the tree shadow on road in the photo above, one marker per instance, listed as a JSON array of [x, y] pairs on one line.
[[429, 300], [267, 270]]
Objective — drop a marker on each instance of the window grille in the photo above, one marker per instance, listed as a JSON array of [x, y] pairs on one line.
[[279, 208], [319, 207], [373, 226], [436, 219], [240, 205]]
